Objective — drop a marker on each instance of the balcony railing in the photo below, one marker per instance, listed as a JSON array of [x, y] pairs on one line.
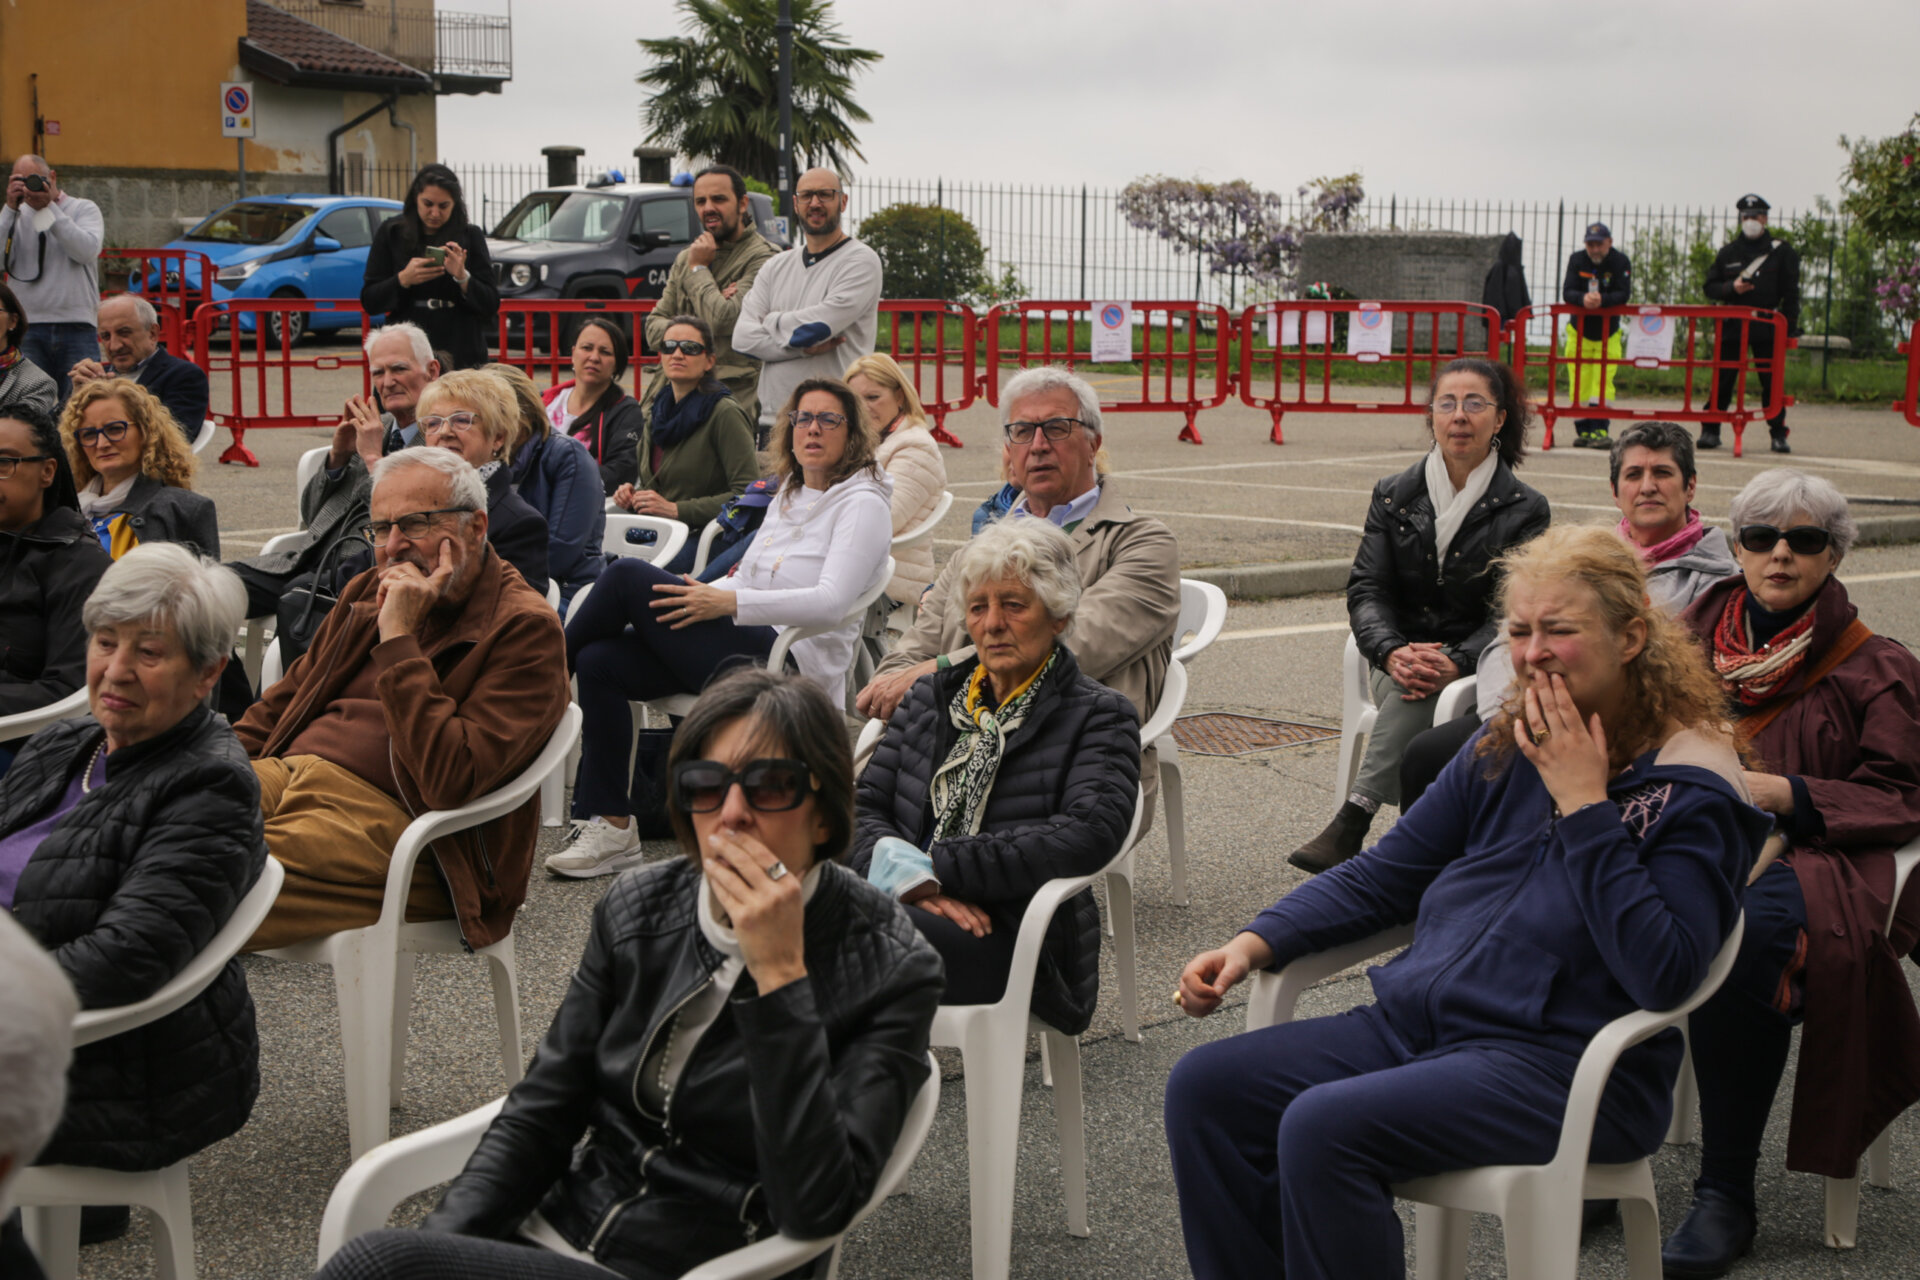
[[478, 45]]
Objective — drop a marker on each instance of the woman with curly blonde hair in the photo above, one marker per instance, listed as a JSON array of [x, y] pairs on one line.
[[1587, 858], [134, 470]]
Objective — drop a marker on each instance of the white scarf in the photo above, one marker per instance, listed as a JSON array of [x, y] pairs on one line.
[[1450, 508], [94, 503]]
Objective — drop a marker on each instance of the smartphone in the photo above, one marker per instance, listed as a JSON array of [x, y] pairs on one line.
[[437, 253]]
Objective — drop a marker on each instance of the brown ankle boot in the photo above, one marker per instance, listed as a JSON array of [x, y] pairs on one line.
[[1340, 841]]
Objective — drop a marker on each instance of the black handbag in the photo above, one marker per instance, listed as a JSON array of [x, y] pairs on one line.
[[307, 601]]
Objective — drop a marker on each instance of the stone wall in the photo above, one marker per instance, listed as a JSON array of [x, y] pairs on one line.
[[145, 208], [1403, 266]]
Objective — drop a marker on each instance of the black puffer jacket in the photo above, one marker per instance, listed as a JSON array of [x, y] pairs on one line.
[[782, 1118], [1061, 804], [47, 571], [126, 889], [1399, 593]]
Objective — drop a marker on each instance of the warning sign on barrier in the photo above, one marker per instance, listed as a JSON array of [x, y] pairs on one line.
[[1649, 339], [1112, 333], [1370, 335]]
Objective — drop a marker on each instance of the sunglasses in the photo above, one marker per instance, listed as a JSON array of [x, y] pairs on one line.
[[114, 431], [684, 345], [770, 786], [1802, 539]]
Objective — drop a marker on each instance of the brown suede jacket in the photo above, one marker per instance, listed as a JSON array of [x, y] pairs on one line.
[[465, 714]]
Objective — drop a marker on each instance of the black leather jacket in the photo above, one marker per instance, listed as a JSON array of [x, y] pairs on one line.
[[1399, 593], [782, 1119]]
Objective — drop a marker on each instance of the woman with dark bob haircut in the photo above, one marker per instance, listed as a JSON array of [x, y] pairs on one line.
[[739, 1046], [430, 266], [1421, 593]]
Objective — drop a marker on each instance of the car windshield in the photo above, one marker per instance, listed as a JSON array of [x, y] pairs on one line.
[[576, 217], [253, 223]]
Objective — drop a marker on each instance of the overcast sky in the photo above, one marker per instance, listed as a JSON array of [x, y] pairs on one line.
[[1641, 101]]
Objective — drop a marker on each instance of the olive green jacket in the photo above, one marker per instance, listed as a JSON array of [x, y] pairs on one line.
[[701, 293], [705, 471]]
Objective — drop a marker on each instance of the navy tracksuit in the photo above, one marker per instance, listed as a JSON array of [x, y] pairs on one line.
[[1531, 933]]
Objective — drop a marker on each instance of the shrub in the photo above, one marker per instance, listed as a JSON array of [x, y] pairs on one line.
[[928, 252]]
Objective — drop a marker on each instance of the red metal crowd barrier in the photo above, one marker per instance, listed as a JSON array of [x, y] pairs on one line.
[[1304, 345], [1911, 404], [537, 333], [1689, 338], [176, 281], [1169, 350], [955, 333], [259, 366]]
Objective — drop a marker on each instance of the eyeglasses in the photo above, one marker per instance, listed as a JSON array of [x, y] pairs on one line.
[[825, 421], [770, 786], [1056, 429], [114, 431], [671, 345], [461, 422], [9, 464], [1475, 405], [413, 526], [815, 197], [1802, 539]]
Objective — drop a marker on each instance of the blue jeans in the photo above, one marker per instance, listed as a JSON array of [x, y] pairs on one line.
[[57, 347]]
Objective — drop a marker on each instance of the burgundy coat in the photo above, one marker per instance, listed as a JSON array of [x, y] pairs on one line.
[[1855, 739]]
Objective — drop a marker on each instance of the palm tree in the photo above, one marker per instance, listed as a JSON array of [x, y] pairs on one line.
[[715, 90]]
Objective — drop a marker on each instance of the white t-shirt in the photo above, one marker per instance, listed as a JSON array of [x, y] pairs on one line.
[[557, 412]]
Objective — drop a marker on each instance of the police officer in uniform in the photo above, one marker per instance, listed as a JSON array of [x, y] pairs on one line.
[[1597, 276], [1756, 270]]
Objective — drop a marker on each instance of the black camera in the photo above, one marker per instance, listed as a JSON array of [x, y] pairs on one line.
[[34, 182]]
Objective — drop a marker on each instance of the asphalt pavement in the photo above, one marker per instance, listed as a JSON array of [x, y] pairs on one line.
[[1238, 499]]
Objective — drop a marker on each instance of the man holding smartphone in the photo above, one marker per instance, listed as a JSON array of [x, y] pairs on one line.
[[50, 253]]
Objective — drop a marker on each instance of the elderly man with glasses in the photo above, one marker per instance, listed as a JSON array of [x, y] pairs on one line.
[[432, 682], [1129, 564], [129, 335], [813, 309]]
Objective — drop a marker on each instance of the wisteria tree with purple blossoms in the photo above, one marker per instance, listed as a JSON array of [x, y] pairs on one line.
[[1239, 227]]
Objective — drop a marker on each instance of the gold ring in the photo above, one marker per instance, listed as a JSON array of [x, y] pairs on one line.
[[1540, 738]]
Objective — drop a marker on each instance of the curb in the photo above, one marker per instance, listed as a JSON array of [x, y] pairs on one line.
[[1321, 577]]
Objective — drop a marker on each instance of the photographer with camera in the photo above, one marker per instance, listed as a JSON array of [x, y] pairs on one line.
[[49, 251]]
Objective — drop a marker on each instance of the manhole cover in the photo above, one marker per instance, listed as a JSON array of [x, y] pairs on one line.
[[1220, 733]]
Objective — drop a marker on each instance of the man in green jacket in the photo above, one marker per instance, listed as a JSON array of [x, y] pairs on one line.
[[711, 277]]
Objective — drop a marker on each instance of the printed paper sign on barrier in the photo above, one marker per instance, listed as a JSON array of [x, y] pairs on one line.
[[1649, 339], [1112, 333], [1370, 335], [1288, 333]]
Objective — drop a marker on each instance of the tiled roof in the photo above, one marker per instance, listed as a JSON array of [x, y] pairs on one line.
[[293, 51]]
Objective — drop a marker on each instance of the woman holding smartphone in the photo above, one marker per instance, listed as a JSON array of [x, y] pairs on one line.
[[429, 265]]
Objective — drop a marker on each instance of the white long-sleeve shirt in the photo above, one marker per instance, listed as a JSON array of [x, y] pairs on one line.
[[57, 280], [812, 558], [840, 291]]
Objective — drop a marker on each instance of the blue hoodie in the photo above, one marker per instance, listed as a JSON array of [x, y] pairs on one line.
[[1534, 931]]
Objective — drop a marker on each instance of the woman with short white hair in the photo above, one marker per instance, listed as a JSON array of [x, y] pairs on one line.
[[1000, 773], [128, 837], [473, 413]]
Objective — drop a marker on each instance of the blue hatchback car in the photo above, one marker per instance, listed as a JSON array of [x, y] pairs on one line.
[[292, 246]]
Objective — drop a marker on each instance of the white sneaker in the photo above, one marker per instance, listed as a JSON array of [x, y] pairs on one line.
[[598, 848]]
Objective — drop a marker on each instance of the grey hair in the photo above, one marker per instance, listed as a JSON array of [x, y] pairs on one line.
[[1773, 496], [1051, 377], [39, 162], [416, 338], [465, 489], [37, 1008], [201, 601], [1030, 549], [142, 309]]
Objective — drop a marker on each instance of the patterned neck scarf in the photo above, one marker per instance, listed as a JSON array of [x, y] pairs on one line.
[[9, 357], [1753, 674], [964, 780]]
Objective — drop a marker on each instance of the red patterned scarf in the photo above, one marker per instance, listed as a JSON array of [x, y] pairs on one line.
[[9, 358], [1753, 675]]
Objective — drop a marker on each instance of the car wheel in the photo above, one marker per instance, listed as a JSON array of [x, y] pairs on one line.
[[295, 322]]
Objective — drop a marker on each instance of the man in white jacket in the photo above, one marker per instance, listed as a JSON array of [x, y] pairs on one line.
[[812, 310], [50, 251]]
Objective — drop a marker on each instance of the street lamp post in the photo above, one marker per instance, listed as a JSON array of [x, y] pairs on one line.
[[785, 29]]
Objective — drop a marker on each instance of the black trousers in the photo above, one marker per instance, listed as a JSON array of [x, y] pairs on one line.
[[1428, 754], [401, 1254], [977, 968], [1759, 340]]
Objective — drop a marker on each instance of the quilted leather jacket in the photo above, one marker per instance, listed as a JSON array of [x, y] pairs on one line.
[[126, 889], [1060, 806], [1398, 592], [781, 1119]]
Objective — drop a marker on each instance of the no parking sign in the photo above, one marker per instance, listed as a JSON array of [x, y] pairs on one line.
[[236, 109], [1112, 332]]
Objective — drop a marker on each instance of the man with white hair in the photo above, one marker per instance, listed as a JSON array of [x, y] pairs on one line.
[[50, 253], [129, 336], [434, 680], [1129, 564], [37, 1008]]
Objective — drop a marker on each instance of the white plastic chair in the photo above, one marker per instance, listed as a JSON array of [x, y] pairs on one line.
[[553, 595], [255, 632], [24, 724], [704, 551], [669, 537], [1357, 714], [373, 967], [923, 532], [992, 1039], [205, 436], [1538, 1205], [1203, 612], [50, 1196], [370, 1190], [303, 473]]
